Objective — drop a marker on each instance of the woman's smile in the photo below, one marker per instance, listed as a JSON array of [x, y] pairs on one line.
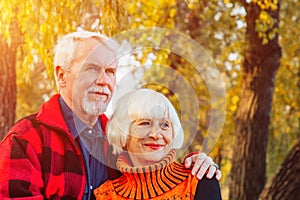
[[154, 146]]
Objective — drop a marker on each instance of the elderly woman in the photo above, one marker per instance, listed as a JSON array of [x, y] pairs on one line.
[[145, 130]]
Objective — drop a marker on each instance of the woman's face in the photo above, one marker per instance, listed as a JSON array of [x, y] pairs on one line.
[[149, 140]]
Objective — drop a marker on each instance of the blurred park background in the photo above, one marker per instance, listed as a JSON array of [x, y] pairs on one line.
[[254, 43]]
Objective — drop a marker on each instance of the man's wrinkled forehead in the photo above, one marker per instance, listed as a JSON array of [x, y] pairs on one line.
[[102, 55]]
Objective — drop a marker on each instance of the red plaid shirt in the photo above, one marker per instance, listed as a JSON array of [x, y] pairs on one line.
[[39, 158]]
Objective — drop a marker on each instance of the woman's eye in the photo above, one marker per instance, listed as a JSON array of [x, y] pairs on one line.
[[165, 125], [144, 123]]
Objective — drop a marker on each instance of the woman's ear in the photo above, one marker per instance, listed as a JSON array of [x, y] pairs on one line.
[[61, 76]]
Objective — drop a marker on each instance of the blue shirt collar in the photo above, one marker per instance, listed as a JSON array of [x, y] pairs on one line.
[[76, 125]]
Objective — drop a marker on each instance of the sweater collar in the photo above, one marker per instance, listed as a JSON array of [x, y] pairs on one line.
[[149, 181], [124, 163]]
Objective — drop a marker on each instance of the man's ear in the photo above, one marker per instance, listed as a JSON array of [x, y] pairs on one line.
[[61, 76]]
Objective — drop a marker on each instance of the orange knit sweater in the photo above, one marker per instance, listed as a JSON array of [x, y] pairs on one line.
[[164, 180]]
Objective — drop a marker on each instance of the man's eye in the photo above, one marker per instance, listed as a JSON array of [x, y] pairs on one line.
[[93, 68], [111, 72]]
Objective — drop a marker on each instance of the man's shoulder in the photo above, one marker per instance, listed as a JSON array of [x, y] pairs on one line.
[[24, 125], [22, 133], [27, 126]]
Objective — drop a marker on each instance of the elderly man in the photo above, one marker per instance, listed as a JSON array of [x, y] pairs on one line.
[[61, 151]]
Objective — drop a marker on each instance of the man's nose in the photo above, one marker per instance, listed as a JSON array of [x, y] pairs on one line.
[[101, 78]]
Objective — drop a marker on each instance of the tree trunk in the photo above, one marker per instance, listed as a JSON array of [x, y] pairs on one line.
[[285, 185], [8, 88], [253, 115]]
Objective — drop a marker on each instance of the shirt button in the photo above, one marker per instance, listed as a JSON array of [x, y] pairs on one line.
[[90, 131], [91, 187]]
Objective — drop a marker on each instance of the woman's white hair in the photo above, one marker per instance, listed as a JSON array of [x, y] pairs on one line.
[[141, 104], [66, 47]]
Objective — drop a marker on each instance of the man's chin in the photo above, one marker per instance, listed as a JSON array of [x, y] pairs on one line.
[[94, 109], [98, 98]]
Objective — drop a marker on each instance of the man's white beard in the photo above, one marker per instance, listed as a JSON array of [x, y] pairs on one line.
[[93, 108]]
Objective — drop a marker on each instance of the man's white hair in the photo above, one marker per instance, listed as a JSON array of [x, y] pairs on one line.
[[65, 49], [141, 104]]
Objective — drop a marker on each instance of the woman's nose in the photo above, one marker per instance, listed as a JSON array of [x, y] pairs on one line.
[[156, 133]]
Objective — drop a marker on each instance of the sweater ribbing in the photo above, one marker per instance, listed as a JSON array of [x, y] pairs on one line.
[[166, 178]]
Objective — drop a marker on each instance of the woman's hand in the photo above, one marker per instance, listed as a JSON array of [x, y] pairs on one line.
[[202, 164]]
